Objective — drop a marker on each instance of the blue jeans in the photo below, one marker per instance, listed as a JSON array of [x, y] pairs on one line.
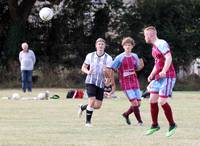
[[26, 76]]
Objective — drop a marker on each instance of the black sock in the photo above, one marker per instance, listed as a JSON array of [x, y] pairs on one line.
[[88, 116], [83, 107]]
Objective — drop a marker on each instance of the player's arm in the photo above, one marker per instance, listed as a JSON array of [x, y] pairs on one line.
[[85, 69], [168, 61], [33, 57], [20, 57], [152, 74], [113, 82], [141, 66]]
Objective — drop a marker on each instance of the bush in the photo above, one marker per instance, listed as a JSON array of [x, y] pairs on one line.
[[191, 83]]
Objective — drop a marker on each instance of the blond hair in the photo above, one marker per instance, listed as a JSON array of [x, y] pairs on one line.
[[150, 28], [128, 40], [100, 40]]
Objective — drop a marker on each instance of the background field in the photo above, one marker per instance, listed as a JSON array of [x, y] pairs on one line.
[[55, 122]]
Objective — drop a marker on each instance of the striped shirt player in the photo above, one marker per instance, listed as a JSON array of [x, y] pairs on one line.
[[94, 65], [162, 80], [97, 64], [127, 63]]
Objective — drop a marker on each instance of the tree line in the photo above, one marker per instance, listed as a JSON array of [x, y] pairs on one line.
[[70, 35]]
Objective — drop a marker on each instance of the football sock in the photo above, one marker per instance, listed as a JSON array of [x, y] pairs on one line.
[[89, 113], [154, 113], [129, 111], [168, 113], [137, 113], [83, 107]]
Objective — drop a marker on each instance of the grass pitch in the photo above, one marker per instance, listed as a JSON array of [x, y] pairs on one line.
[[55, 122]]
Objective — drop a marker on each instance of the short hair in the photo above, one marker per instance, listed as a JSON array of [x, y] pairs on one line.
[[150, 28], [100, 40], [128, 40], [25, 44]]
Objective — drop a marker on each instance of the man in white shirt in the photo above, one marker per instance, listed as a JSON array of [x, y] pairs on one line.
[[27, 61]]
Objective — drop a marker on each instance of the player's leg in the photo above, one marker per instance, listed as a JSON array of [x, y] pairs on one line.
[[99, 98], [29, 80], [127, 113], [97, 104], [81, 109], [154, 114], [89, 110], [154, 109], [23, 78], [135, 100], [129, 110], [165, 92], [91, 91], [131, 97], [136, 111]]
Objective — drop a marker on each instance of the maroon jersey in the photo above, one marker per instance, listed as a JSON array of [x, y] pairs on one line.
[[159, 50]]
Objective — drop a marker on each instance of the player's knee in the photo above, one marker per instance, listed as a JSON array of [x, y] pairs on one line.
[[162, 101], [153, 98], [135, 102], [97, 106]]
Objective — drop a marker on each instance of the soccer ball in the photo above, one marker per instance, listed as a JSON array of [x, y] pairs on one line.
[[46, 14], [15, 96], [43, 95]]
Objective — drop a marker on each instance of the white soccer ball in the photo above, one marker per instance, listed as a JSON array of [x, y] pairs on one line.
[[15, 96], [46, 14], [43, 95]]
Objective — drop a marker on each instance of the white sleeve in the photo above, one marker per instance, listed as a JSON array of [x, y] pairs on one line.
[[20, 57], [109, 62], [33, 57], [164, 47], [88, 59]]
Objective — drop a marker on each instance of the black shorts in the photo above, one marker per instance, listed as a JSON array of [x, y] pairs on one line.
[[95, 91]]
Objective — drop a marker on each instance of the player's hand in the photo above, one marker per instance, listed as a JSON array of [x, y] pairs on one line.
[[162, 74], [107, 94], [150, 78], [134, 73], [89, 71]]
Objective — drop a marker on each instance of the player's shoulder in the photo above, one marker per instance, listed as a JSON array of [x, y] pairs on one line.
[[106, 54], [120, 56], [31, 51], [109, 57], [134, 55], [160, 42], [90, 54]]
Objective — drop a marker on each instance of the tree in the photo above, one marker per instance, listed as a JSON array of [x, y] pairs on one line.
[[19, 12], [177, 21]]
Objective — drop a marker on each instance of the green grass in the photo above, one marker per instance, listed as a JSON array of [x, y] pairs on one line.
[[55, 122]]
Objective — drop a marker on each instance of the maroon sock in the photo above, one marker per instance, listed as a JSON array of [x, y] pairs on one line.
[[129, 111], [154, 113], [137, 113], [168, 113]]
